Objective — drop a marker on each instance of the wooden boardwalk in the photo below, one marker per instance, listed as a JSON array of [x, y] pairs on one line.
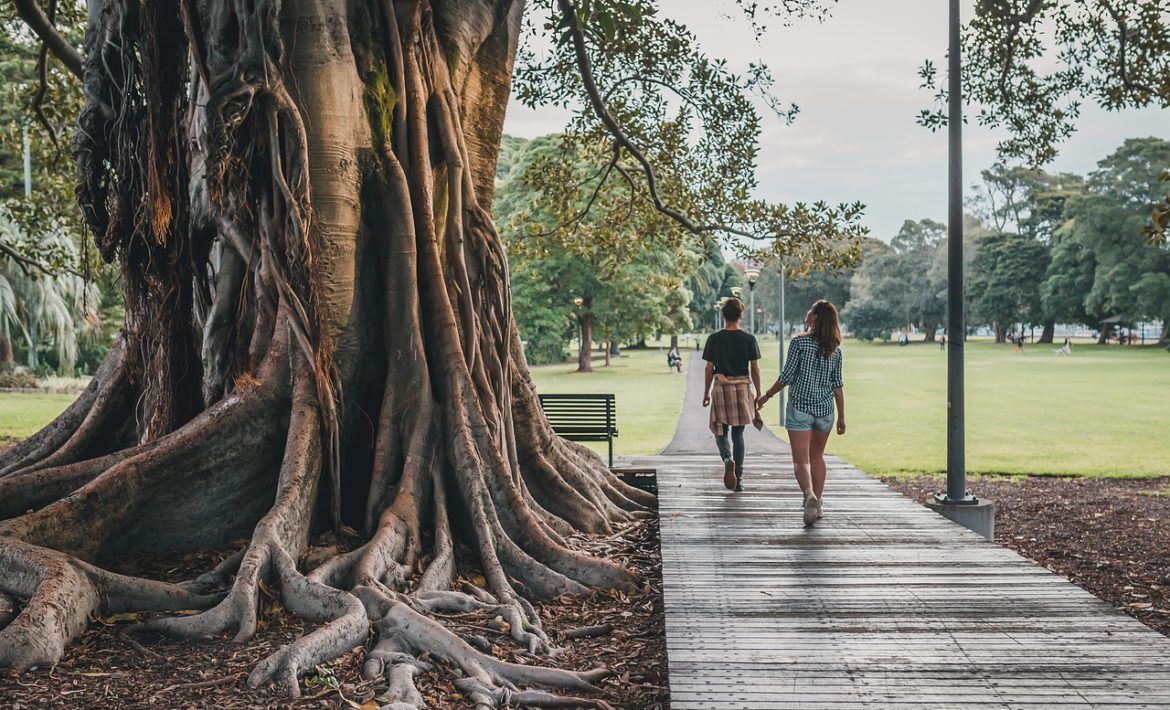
[[882, 604]]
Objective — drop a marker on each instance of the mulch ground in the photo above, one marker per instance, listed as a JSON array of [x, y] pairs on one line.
[[109, 667], [1110, 537]]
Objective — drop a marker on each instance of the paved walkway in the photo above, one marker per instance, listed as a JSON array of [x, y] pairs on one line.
[[883, 604]]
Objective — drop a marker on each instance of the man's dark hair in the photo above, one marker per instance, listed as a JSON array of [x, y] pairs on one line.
[[733, 309]]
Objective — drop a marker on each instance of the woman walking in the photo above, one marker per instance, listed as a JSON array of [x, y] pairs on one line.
[[731, 380], [813, 371]]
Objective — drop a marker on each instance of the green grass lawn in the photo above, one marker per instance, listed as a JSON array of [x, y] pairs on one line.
[[22, 414], [1100, 412], [648, 396]]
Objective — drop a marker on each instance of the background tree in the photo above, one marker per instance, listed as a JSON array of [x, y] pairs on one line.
[[1005, 282], [1131, 276], [1031, 64], [621, 257], [900, 286], [319, 331]]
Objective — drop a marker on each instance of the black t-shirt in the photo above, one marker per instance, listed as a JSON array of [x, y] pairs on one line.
[[731, 350]]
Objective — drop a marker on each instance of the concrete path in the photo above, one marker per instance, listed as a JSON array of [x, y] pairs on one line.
[[883, 604]]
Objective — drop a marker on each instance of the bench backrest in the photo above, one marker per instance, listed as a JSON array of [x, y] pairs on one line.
[[582, 417]]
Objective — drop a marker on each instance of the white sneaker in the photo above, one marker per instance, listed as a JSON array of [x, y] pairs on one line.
[[810, 509]]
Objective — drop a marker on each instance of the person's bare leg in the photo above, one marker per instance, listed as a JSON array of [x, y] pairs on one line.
[[816, 455], [799, 442]]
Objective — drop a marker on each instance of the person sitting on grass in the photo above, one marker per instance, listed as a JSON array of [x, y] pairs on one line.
[[674, 359], [729, 391], [813, 370]]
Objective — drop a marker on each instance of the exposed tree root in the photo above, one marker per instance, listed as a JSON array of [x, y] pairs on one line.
[[61, 593]]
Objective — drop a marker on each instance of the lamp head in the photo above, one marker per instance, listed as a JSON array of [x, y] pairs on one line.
[[752, 275]]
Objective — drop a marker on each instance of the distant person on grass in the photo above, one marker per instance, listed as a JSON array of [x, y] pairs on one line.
[[729, 392], [813, 370]]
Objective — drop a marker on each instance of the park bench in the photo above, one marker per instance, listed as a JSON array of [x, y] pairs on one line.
[[582, 417]]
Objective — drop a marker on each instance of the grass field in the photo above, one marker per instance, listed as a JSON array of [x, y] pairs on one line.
[[22, 414], [649, 396], [1100, 412]]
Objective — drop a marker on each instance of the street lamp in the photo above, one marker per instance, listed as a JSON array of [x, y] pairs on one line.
[[752, 275], [580, 326], [736, 291], [780, 336], [718, 306], [956, 503]]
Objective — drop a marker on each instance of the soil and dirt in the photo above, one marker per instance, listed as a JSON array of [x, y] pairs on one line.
[[1107, 536], [110, 666]]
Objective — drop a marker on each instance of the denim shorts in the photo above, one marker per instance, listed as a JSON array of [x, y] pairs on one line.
[[796, 420]]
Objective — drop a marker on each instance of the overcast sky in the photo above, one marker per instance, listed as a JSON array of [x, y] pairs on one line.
[[855, 80]]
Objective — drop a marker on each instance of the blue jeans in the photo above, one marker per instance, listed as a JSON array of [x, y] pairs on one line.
[[725, 451]]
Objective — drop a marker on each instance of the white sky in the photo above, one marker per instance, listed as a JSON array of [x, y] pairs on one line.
[[855, 79]]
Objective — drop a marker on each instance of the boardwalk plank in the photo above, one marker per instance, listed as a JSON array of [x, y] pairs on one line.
[[882, 604]]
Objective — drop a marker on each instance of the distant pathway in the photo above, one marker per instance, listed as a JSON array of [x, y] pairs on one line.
[[692, 435], [883, 604]]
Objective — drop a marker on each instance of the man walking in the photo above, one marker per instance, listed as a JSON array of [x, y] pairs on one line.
[[732, 354]]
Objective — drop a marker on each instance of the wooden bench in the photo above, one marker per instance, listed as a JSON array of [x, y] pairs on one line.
[[582, 417]]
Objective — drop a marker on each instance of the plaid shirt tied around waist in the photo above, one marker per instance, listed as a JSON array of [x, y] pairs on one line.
[[733, 403]]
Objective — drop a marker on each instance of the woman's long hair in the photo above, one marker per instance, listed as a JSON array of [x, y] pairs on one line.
[[827, 330]]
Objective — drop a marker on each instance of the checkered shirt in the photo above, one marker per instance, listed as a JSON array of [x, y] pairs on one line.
[[733, 403], [811, 378]]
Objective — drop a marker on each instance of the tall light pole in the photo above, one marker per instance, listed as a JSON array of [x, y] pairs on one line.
[[752, 275], [27, 164], [957, 504], [780, 332]]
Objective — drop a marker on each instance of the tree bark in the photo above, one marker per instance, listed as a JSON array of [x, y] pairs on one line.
[[1049, 331], [585, 352], [319, 333], [929, 329], [674, 341]]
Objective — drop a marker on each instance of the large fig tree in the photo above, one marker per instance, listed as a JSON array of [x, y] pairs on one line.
[[318, 331]]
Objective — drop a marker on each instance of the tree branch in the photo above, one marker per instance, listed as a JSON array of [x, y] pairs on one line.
[[30, 11], [598, 104]]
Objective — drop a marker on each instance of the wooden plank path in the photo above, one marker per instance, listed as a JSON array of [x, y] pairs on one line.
[[882, 604]]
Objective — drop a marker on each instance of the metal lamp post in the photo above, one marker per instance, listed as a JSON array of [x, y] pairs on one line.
[[957, 504], [780, 332], [580, 326], [752, 275]]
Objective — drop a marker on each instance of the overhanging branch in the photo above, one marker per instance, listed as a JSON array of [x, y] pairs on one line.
[[30, 11]]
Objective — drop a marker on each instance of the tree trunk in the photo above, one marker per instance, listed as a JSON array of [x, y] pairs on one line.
[[1164, 339], [608, 345], [929, 336], [1000, 332], [7, 355], [311, 252], [674, 342], [1049, 331], [585, 352]]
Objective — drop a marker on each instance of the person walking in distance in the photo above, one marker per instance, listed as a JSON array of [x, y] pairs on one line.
[[813, 372], [731, 383]]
